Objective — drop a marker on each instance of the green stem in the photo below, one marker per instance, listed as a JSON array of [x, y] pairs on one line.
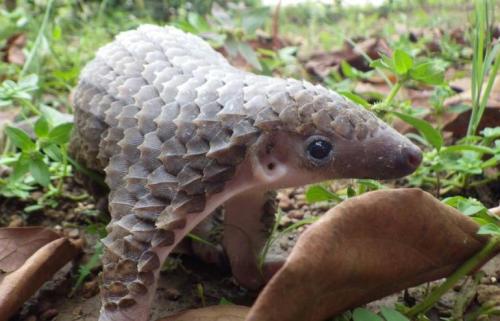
[[76, 198], [466, 268], [32, 108], [484, 310], [485, 181], [263, 254], [65, 169], [368, 59], [38, 40], [394, 90]]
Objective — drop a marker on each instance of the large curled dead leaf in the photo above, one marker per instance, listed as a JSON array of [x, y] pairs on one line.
[[366, 248], [212, 313], [38, 255], [19, 243]]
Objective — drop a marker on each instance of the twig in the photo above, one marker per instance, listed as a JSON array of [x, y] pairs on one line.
[[276, 26]]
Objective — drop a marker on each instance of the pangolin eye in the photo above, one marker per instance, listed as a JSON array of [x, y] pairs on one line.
[[319, 149]]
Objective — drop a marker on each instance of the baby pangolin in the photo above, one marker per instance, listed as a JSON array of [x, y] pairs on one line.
[[179, 132]]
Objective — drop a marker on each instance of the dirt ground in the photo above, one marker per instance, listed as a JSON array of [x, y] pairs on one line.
[[190, 283], [180, 289]]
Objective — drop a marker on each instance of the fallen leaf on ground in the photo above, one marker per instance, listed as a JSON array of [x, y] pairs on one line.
[[457, 122], [322, 63], [19, 243], [14, 49], [7, 117], [364, 249], [495, 210], [212, 313], [18, 286]]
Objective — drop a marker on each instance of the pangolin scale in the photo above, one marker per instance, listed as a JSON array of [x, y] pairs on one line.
[[170, 122]]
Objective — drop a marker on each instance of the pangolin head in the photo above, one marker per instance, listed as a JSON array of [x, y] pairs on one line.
[[313, 134]]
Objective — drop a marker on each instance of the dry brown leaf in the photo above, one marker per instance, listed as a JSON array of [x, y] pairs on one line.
[[20, 285], [7, 117], [14, 49], [212, 313], [320, 64], [17, 244], [366, 248], [457, 122], [495, 210]]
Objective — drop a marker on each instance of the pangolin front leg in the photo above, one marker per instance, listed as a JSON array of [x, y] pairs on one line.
[[179, 132], [248, 222]]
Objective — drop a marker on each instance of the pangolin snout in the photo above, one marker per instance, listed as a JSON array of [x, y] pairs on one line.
[[401, 157], [407, 160], [412, 157], [387, 155]]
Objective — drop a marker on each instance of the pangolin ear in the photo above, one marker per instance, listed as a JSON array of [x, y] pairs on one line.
[[268, 169]]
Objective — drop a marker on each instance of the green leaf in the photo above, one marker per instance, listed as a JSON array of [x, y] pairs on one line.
[[428, 72], [430, 134], [61, 133], [185, 26], [355, 98], [361, 314], [370, 183], [21, 167], [351, 192], [40, 171], [222, 17], [56, 32], [347, 69], [254, 19], [29, 83], [392, 315], [468, 206], [201, 240], [198, 22], [472, 148], [383, 62], [33, 208], [53, 151], [472, 209], [402, 62], [231, 46], [224, 301], [317, 193], [249, 54], [490, 132], [41, 127], [489, 229], [55, 117], [20, 138]]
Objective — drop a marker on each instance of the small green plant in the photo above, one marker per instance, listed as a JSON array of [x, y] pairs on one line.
[[86, 269], [12, 92], [283, 62], [44, 158], [407, 69], [230, 29], [386, 314], [322, 193], [276, 234], [485, 62]]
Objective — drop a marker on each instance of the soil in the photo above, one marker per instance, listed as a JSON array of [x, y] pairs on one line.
[[186, 282]]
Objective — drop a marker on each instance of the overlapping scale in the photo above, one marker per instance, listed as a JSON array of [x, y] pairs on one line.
[[169, 120]]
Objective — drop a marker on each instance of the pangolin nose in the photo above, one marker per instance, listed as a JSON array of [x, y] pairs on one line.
[[412, 157]]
